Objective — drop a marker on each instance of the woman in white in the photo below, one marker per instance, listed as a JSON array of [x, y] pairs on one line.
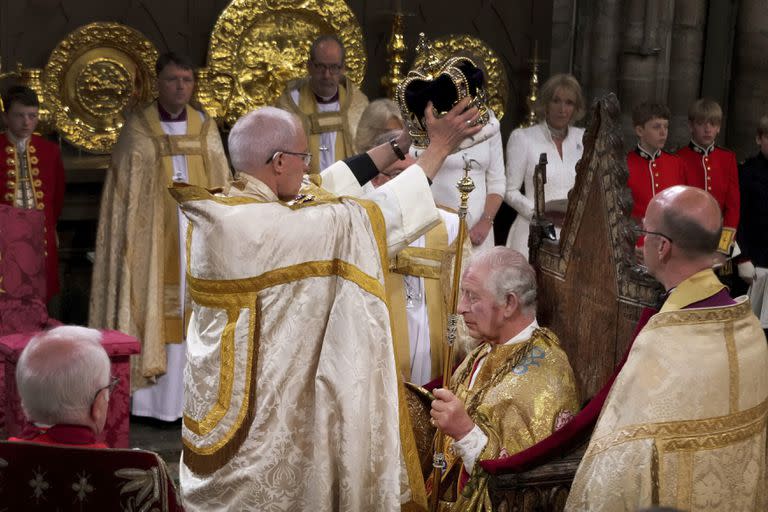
[[487, 171], [559, 105]]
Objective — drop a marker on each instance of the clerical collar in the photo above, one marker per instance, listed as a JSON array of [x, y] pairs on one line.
[[646, 154], [701, 149], [71, 434], [331, 99], [695, 288], [167, 117]]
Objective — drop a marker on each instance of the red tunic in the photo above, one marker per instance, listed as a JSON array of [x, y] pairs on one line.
[[64, 435], [650, 174], [714, 170], [47, 173]]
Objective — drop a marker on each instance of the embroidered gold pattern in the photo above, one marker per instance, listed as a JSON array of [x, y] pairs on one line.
[[699, 315], [716, 429], [733, 368]]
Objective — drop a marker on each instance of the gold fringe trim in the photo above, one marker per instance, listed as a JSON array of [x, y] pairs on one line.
[[204, 461]]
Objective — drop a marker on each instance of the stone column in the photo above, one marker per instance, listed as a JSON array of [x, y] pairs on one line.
[[605, 47], [685, 66], [644, 63], [750, 72]]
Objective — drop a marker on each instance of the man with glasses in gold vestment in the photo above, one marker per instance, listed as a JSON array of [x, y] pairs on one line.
[[684, 424], [327, 102]]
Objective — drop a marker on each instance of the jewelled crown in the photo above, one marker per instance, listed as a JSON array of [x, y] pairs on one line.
[[444, 82]]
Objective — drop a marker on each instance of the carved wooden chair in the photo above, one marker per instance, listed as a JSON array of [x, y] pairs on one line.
[[593, 295]]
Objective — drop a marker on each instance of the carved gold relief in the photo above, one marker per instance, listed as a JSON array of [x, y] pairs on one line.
[[483, 56], [259, 45], [94, 77]]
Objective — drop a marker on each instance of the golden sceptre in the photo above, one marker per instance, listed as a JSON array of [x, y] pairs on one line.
[[465, 186]]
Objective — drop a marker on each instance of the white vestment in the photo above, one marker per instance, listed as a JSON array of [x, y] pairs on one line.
[[291, 384], [416, 310]]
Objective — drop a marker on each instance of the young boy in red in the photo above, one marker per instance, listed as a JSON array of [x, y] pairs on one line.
[[711, 167], [31, 171], [651, 169]]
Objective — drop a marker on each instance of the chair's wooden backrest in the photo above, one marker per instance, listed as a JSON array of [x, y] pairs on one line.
[[36, 477], [591, 290]]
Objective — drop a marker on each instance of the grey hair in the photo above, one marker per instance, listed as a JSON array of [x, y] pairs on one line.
[[508, 272], [372, 122], [59, 374], [259, 134]]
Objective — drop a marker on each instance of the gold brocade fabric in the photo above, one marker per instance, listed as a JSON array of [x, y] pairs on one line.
[[137, 229], [290, 388], [427, 263], [520, 395], [684, 424], [352, 102]]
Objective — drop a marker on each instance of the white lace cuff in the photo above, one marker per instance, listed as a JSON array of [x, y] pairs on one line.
[[470, 447]]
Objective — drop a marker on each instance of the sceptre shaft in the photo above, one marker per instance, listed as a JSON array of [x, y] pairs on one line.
[[465, 186]]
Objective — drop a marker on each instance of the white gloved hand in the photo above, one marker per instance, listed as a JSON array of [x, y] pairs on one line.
[[746, 271]]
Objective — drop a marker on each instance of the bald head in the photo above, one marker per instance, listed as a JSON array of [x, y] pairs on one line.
[[690, 217], [259, 134]]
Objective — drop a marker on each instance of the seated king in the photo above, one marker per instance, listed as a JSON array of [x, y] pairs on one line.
[[512, 391]]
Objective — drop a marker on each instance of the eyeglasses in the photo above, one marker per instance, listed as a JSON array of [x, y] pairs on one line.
[[333, 69], [307, 157], [639, 231], [111, 386]]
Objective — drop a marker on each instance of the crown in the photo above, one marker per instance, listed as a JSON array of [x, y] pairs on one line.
[[444, 82]]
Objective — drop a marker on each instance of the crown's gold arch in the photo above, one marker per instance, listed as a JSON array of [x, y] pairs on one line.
[[95, 75], [483, 55], [257, 46]]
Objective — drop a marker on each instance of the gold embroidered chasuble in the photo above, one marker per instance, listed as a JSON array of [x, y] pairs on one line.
[[520, 394], [344, 122], [136, 273], [685, 423], [291, 388]]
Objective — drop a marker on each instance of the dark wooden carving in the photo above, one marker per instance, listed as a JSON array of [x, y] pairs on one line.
[[591, 291], [543, 489]]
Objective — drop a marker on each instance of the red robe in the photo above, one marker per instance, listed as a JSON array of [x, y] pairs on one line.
[[63, 435], [714, 170], [650, 174], [47, 173]]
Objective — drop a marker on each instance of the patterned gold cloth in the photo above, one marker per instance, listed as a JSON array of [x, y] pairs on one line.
[[291, 388], [136, 273], [343, 121], [521, 394], [685, 423]]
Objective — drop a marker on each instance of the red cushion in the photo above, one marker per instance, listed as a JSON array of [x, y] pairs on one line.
[[22, 270]]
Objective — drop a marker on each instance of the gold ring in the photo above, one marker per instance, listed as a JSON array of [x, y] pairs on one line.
[[469, 122]]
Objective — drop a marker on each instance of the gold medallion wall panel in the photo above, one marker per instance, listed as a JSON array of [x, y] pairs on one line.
[[258, 45], [95, 76]]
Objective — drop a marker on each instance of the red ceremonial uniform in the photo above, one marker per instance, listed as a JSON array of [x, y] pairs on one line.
[[46, 184], [650, 174], [714, 170]]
